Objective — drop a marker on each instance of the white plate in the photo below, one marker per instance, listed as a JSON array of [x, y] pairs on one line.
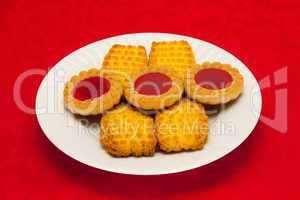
[[80, 141]]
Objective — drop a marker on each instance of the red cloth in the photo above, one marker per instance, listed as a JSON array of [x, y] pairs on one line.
[[36, 34]]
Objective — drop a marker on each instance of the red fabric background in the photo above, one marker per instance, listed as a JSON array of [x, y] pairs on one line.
[[36, 34]]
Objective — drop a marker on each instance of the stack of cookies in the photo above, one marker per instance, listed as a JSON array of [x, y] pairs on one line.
[[170, 84]]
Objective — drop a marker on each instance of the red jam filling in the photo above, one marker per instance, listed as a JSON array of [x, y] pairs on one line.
[[91, 88], [213, 79], [154, 83]]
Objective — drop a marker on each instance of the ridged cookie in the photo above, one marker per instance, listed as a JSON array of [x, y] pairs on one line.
[[175, 55], [124, 60], [226, 83], [153, 89], [183, 127], [126, 132], [92, 92]]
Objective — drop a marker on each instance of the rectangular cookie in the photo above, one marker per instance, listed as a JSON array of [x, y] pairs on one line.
[[125, 59], [176, 55]]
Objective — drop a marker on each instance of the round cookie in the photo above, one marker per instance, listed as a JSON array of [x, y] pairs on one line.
[[153, 89], [214, 83], [91, 92]]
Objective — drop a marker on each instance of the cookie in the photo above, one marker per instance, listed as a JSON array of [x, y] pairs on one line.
[[174, 55], [124, 60], [182, 127], [214, 83], [153, 89], [126, 132], [91, 92]]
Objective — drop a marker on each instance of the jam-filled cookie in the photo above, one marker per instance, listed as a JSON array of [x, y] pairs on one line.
[[153, 89], [182, 127], [176, 55], [214, 83], [91, 92], [124, 60], [126, 132]]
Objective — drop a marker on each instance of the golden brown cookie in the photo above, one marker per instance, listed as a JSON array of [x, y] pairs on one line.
[[91, 92], [124, 60], [214, 83], [126, 132], [174, 55], [182, 127], [153, 89]]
